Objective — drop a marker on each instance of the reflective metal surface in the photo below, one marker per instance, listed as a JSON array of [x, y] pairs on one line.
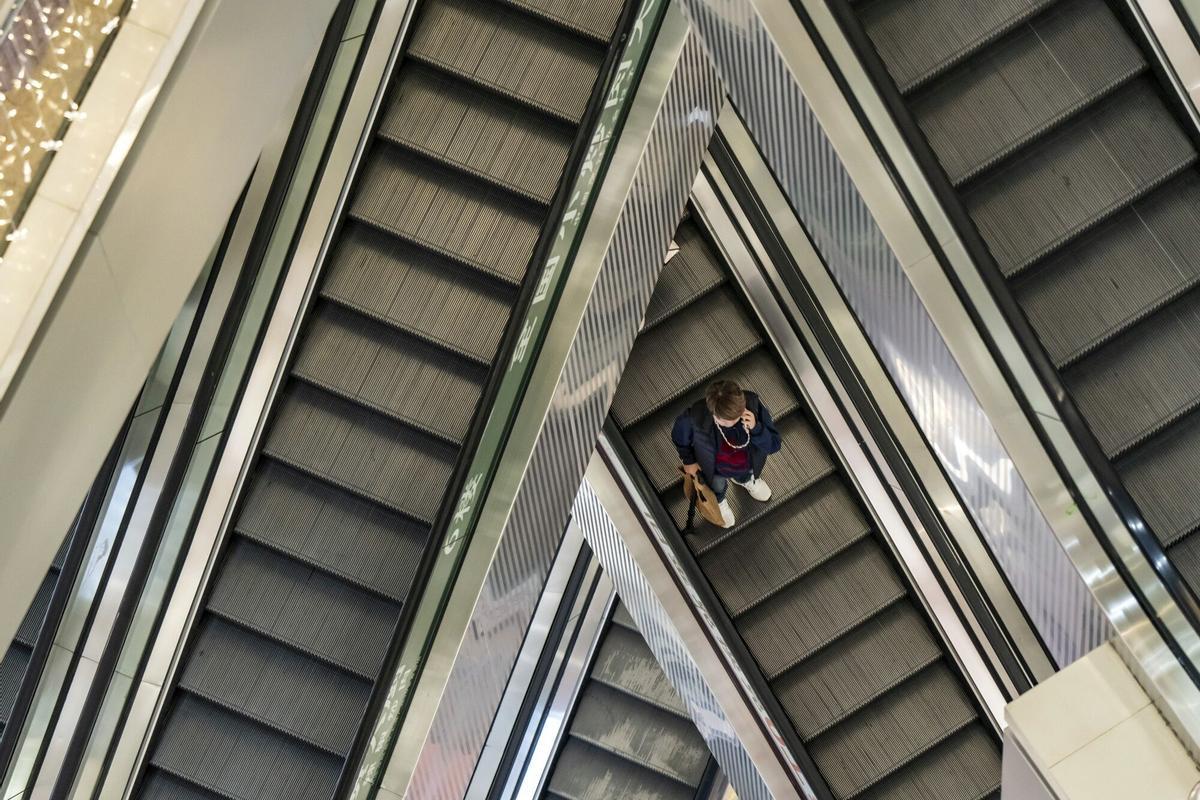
[[760, 282], [1174, 47], [698, 663], [591, 332]]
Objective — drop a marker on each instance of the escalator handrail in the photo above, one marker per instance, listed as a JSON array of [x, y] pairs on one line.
[[977, 251]]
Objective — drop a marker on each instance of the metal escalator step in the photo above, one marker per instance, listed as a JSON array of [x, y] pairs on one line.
[[800, 464], [1144, 380], [809, 615], [503, 49], [276, 686], [920, 39], [651, 438], [784, 546], [477, 131], [892, 732], [1132, 265], [691, 274], [362, 451], [964, 767], [586, 772], [646, 735], [449, 212], [1184, 554], [1161, 477], [35, 615], [164, 786], [685, 350], [626, 663], [60, 557], [419, 292], [622, 617], [332, 530], [1091, 168], [856, 670], [1052, 67], [597, 18], [369, 363], [230, 754], [301, 607], [12, 672]]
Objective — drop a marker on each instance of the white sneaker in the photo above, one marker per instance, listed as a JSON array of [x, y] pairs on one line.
[[757, 488], [727, 513]]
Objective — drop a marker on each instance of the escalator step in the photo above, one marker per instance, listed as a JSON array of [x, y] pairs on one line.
[[12, 672], [622, 617], [690, 347], [361, 450], [448, 211], [597, 19], [60, 557], [892, 732], [1142, 381], [964, 767], [418, 292], [1053, 66], [505, 50], [626, 663], [800, 464], [1106, 282], [811, 614], [646, 735], [781, 549], [477, 131], [1185, 556], [333, 530], [691, 274], [585, 772], [241, 759], [856, 670], [1161, 477], [651, 438], [35, 615], [920, 39], [164, 786], [1094, 166], [373, 365], [276, 686], [293, 604]]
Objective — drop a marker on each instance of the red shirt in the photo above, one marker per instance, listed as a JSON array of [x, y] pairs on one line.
[[731, 462]]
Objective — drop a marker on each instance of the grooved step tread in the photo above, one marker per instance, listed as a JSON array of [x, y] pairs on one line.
[[1161, 477], [625, 662], [505, 50], [964, 767], [228, 753], [35, 615], [690, 274], [586, 772], [352, 538], [1092, 167], [164, 786], [1052, 67], [477, 131], [596, 18], [419, 292], [12, 672], [371, 364]]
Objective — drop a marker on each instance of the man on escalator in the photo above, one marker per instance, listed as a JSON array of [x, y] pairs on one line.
[[726, 437]]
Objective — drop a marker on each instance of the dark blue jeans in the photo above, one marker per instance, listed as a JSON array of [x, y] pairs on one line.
[[720, 483]]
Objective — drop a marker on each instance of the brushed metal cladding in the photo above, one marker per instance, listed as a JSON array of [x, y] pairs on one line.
[[839, 221], [614, 313]]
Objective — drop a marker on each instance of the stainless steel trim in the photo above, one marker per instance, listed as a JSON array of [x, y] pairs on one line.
[[1165, 31], [695, 657], [1165, 679], [758, 277], [345, 154]]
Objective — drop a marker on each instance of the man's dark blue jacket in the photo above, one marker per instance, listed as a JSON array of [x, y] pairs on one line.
[[695, 437]]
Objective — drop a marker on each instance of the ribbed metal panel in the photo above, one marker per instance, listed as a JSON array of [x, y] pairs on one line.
[[597, 19], [812, 176]]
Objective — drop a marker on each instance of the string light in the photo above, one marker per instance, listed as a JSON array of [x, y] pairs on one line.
[[47, 51]]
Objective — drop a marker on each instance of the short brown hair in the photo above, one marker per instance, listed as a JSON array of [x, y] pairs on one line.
[[725, 399]]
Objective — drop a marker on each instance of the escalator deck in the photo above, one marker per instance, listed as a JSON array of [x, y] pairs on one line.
[[807, 582], [1051, 126], [631, 735], [392, 359]]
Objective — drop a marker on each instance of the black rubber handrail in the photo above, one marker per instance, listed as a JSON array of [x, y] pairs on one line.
[[1015, 666], [713, 608], [979, 254]]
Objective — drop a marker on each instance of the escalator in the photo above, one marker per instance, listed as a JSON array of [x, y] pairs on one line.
[[631, 735], [1057, 140], [808, 584], [489, 103]]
